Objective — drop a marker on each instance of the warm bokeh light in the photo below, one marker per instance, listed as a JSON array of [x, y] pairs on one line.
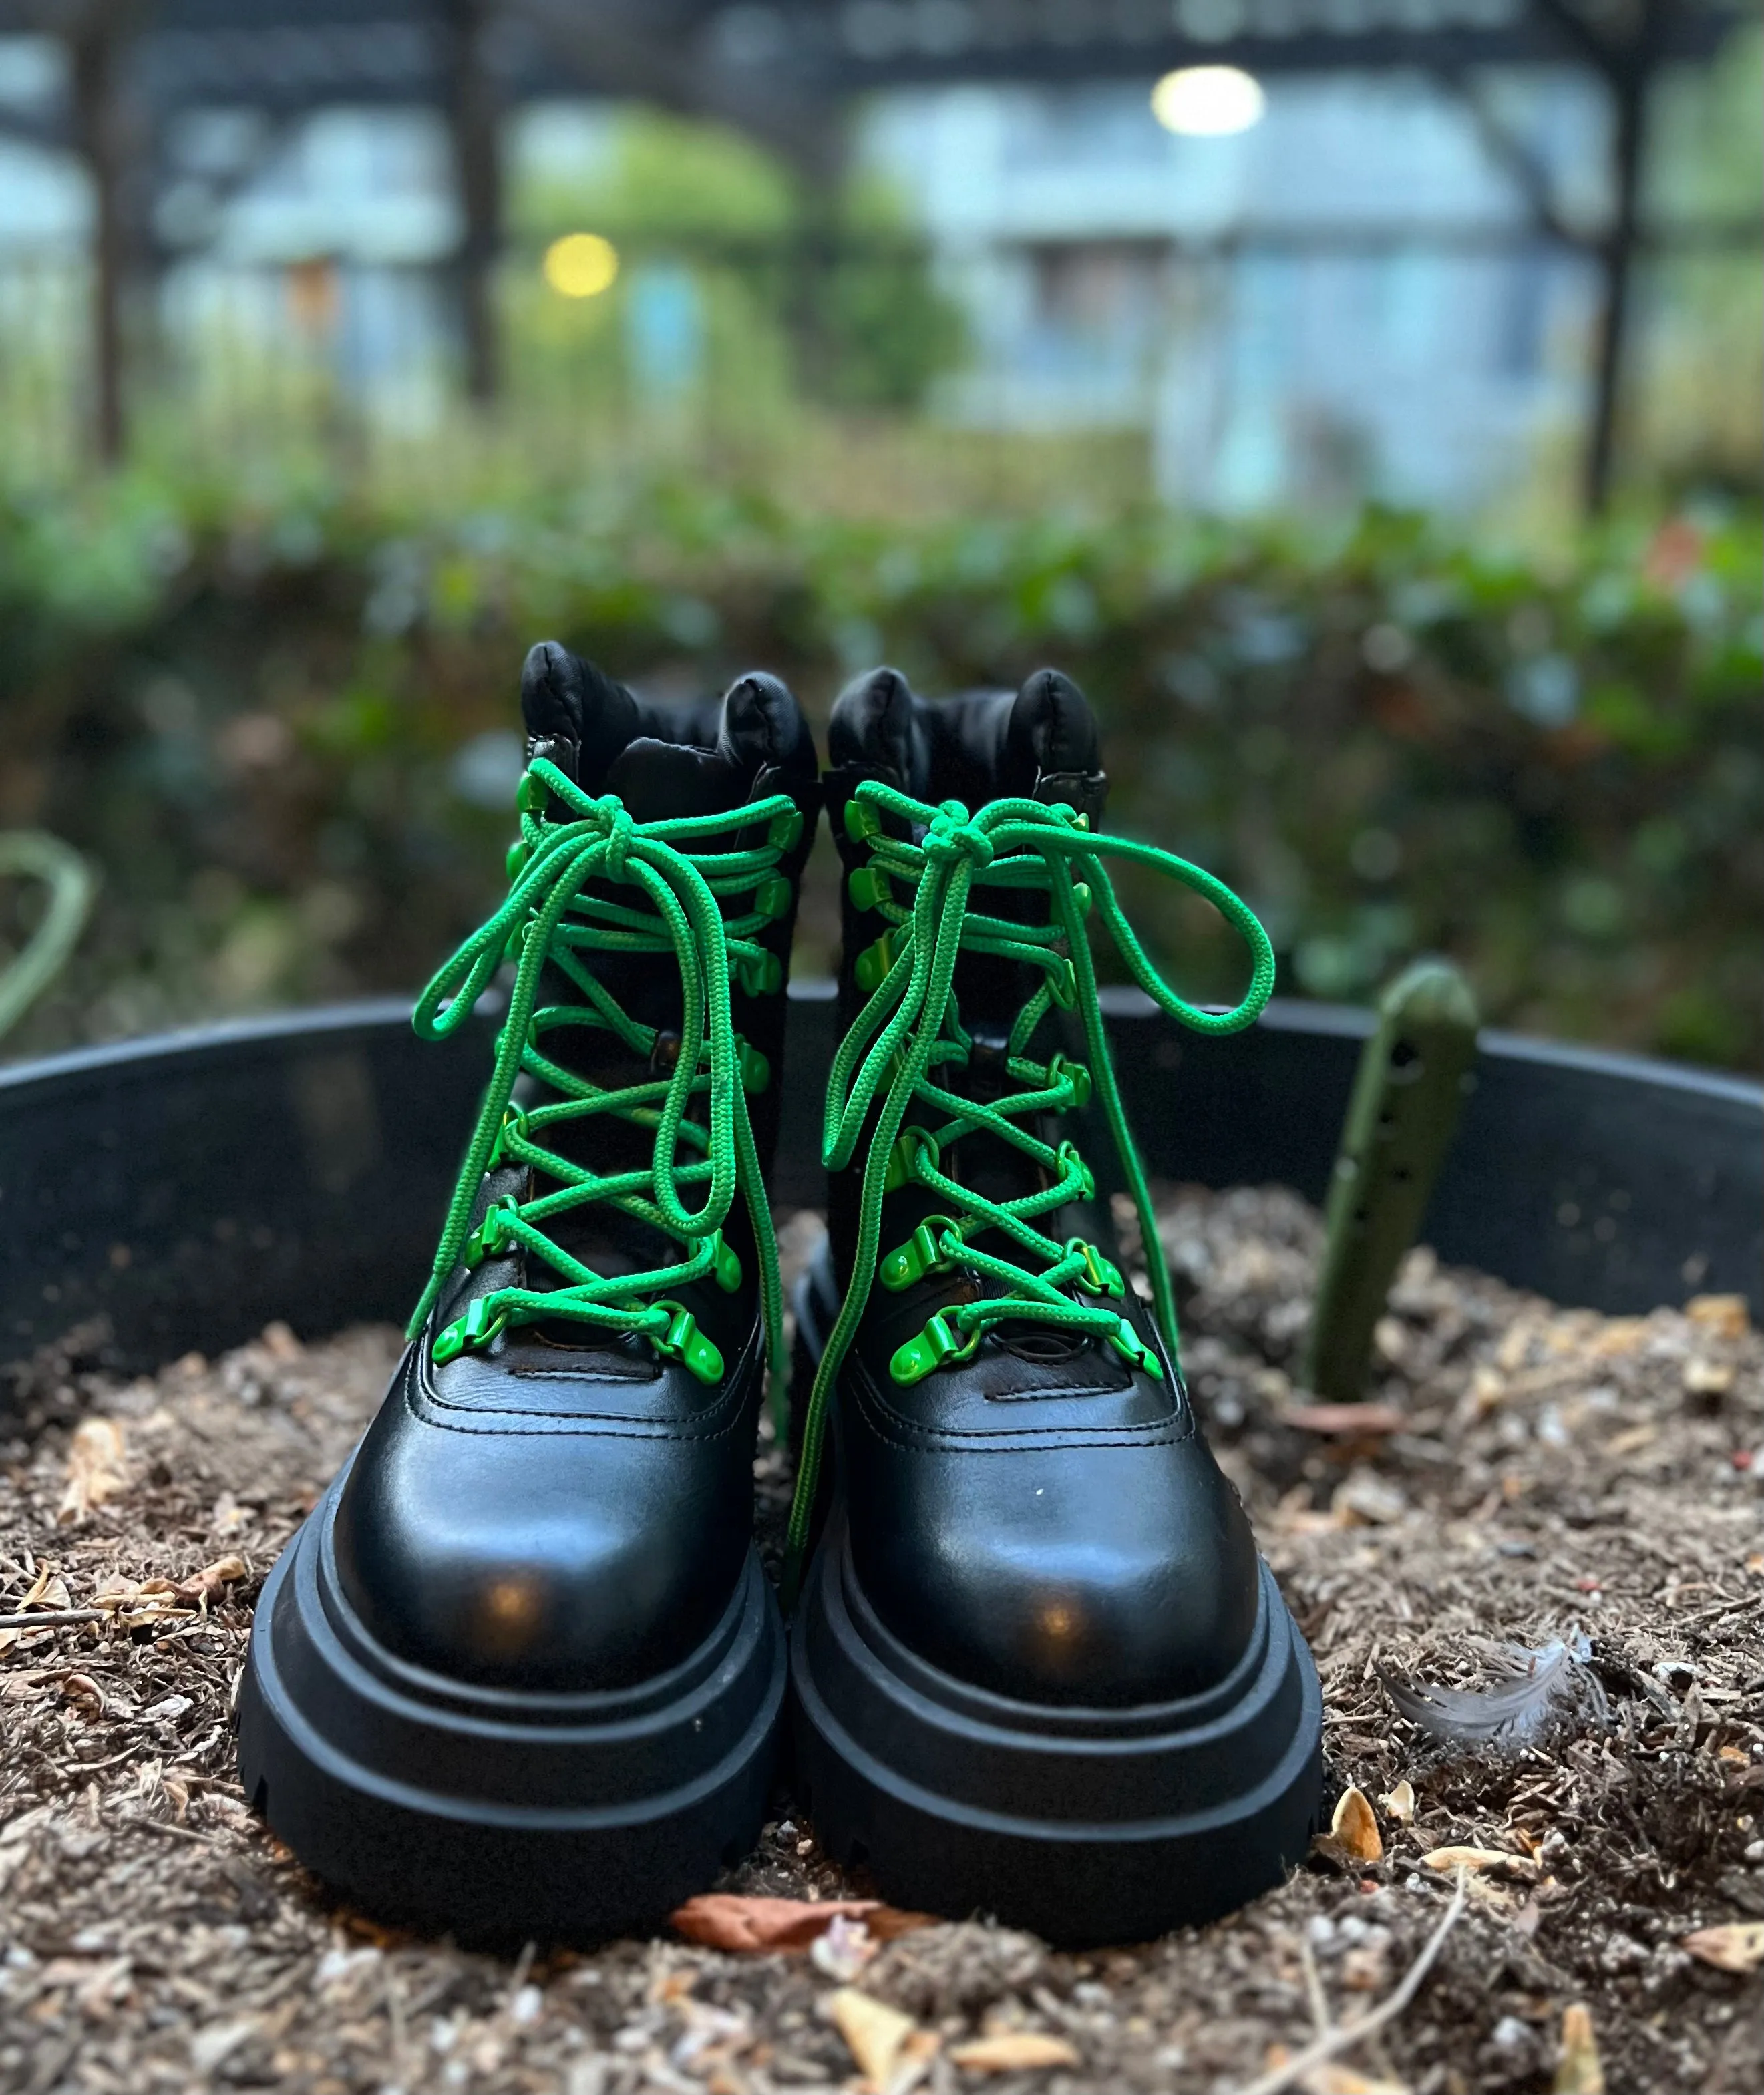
[[1207, 102], [581, 265]]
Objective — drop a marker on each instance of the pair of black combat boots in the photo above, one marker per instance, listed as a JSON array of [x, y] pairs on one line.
[[521, 1674]]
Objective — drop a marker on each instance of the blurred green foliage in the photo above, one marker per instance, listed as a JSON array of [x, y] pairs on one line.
[[285, 732]]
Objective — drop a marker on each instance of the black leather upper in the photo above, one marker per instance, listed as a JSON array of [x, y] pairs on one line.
[[563, 1509], [1042, 1521]]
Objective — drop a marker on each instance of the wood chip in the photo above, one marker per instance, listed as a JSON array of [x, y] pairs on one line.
[[1578, 2069], [1725, 1315], [1399, 1805], [98, 1468], [1737, 1947], [720, 1920], [1448, 1859], [1355, 1829], [1014, 2051], [1345, 1417], [875, 2034]]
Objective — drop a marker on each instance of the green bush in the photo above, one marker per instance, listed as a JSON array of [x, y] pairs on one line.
[[284, 733]]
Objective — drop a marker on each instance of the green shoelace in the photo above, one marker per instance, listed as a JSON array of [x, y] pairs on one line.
[[676, 867], [911, 1025]]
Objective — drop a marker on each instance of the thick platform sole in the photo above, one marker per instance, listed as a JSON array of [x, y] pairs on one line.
[[1086, 1826], [500, 1814]]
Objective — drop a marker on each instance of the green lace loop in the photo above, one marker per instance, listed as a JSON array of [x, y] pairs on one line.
[[678, 869], [910, 1025]]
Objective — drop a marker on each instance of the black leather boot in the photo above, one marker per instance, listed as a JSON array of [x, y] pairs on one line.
[[519, 1674], [1040, 1670]]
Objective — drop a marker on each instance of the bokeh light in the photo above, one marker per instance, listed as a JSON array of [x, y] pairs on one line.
[[581, 265], [1208, 102]]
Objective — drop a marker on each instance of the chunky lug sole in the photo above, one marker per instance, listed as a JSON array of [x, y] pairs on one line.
[[499, 1813], [1086, 1826]]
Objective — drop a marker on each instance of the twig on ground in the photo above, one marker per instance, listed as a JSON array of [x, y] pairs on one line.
[[51, 1619], [1292, 2070]]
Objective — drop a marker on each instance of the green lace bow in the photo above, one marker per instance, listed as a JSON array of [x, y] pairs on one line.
[[910, 1028], [676, 869]]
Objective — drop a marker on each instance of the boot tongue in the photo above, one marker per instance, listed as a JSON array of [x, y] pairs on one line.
[[1049, 730], [564, 699], [661, 780]]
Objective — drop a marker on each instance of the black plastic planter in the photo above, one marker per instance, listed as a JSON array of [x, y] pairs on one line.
[[187, 1189]]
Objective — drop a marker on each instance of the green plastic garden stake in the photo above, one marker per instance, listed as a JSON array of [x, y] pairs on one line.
[[1406, 1096]]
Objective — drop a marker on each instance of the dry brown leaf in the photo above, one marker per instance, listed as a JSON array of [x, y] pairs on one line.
[[1578, 2069], [1374, 1419], [1401, 1804], [1354, 1829], [98, 1468], [1737, 1947], [1448, 1859], [1725, 1315], [225, 1571], [720, 1920], [1014, 2051], [875, 2034], [1329, 2079]]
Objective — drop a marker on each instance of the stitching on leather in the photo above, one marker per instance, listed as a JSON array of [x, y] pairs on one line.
[[908, 1436]]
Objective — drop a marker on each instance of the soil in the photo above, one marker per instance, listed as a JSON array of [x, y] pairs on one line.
[[1528, 1474]]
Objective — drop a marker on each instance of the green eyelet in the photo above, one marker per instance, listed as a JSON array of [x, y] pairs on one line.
[[935, 1346], [488, 1238], [759, 974], [921, 1254], [1101, 1275], [868, 887], [862, 822], [479, 1327], [531, 794], [1062, 986], [1081, 895], [726, 1263], [683, 1341], [872, 965], [772, 898], [904, 1154], [1075, 1074], [515, 861], [755, 1071], [514, 1127], [1069, 1161], [785, 831], [1126, 1342]]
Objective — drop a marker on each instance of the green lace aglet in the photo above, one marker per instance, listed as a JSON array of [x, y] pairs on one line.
[[872, 965], [868, 887], [1127, 1342], [683, 1341], [934, 1346], [772, 898], [726, 1263], [755, 1071], [862, 822], [785, 831], [921, 1254]]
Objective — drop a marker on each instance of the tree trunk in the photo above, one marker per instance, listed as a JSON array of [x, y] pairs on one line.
[[472, 113]]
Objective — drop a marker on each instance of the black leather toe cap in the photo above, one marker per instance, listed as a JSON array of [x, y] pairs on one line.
[[1098, 1575], [564, 1555]]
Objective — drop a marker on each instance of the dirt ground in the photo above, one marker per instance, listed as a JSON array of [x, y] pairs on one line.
[[1552, 1474]]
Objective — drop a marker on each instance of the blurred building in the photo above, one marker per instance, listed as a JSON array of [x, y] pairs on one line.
[[1344, 299]]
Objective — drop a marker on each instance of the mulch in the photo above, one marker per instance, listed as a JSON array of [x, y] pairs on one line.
[[1528, 1473]]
